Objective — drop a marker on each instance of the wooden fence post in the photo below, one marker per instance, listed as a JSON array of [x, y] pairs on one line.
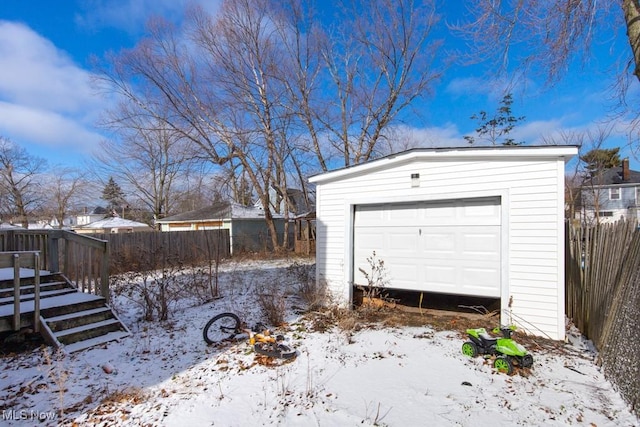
[[16, 292], [104, 273], [36, 292], [54, 253]]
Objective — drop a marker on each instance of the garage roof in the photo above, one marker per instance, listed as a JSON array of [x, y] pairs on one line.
[[476, 153]]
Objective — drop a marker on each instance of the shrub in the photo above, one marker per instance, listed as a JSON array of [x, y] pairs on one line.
[[312, 292], [155, 285], [273, 303], [376, 276]]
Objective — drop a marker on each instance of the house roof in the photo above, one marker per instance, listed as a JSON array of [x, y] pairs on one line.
[[458, 153], [218, 211], [613, 176], [7, 226], [114, 222]]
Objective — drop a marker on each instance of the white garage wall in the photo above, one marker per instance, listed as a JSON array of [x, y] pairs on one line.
[[531, 186]]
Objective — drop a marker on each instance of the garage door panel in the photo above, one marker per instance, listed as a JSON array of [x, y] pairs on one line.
[[441, 212], [402, 241], [400, 216], [481, 211], [481, 280], [448, 247], [369, 240], [368, 215], [483, 244], [439, 244], [403, 273], [441, 277]]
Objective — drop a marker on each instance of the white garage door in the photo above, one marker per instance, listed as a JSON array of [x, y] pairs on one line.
[[448, 247]]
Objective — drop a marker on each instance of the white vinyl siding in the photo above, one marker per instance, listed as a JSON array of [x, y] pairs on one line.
[[532, 238]]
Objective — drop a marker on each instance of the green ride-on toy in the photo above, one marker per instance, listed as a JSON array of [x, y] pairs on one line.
[[508, 352]]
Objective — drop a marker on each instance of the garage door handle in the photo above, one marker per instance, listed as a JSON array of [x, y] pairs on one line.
[[419, 231]]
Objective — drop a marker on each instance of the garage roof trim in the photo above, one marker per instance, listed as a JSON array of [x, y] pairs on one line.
[[476, 153]]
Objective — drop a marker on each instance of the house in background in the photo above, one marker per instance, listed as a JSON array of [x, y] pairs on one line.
[[53, 223], [246, 224], [112, 225], [611, 195], [91, 216]]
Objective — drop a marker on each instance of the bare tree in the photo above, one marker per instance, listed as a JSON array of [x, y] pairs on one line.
[[349, 83], [246, 57], [520, 38], [219, 88], [253, 92], [20, 175], [631, 10], [574, 176], [583, 190], [544, 35], [198, 190], [150, 157], [65, 191]]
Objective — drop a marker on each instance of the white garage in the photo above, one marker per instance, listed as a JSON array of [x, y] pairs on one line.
[[485, 222]]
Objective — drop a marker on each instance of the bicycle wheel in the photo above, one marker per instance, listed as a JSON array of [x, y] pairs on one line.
[[222, 327], [280, 351]]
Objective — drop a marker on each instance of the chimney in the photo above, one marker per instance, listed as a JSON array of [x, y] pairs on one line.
[[625, 170]]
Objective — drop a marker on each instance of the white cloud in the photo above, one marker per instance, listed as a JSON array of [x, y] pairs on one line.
[[534, 133], [492, 89], [447, 135], [45, 128], [46, 100], [467, 86], [34, 73], [132, 15]]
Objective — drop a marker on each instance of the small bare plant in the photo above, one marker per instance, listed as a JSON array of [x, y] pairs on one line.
[[196, 284], [334, 315], [56, 372], [154, 285], [273, 303], [377, 278], [213, 255], [312, 292], [375, 417]]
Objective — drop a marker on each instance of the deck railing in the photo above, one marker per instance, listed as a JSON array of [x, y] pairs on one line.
[[16, 261], [84, 260]]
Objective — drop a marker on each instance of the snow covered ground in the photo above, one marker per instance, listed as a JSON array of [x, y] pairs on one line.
[[165, 375]]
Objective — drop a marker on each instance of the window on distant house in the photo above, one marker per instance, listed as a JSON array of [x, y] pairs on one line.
[[614, 194], [605, 213]]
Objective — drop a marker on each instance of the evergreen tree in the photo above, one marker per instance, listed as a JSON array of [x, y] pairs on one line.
[[113, 195], [599, 159]]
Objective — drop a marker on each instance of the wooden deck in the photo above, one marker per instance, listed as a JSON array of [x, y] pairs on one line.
[[68, 318]]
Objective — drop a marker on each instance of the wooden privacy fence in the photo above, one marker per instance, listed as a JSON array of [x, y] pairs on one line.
[[130, 251], [603, 298]]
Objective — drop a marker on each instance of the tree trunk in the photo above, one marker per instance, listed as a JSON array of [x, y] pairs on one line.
[[632, 18]]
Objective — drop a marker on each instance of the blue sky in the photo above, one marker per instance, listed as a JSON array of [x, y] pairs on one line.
[[48, 106]]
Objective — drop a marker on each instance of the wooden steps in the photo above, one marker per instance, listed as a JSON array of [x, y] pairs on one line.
[[28, 289], [69, 319]]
